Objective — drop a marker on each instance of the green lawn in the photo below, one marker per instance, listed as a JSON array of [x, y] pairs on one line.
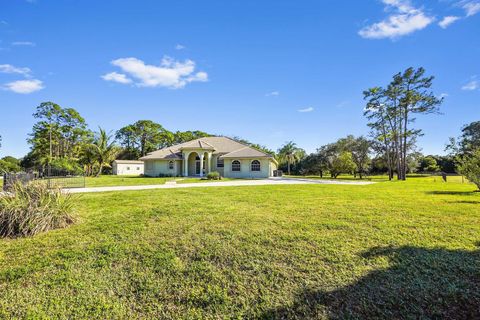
[[383, 178], [110, 180], [386, 250]]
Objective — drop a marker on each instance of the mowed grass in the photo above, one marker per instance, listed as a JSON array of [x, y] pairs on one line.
[[111, 180], [386, 250]]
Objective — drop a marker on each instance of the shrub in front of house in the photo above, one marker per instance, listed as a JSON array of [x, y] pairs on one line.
[[33, 208], [214, 175]]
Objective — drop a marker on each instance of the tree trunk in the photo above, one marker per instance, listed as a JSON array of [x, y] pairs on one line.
[[99, 171], [288, 167]]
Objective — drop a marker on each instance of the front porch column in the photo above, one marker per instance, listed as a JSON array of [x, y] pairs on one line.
[[209, 162], [185, 163], [201, 165]]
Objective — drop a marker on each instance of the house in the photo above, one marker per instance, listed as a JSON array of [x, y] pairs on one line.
[[128, 167], [198, 157]]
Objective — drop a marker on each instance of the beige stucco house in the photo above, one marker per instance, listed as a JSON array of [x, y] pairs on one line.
[[201, 156]]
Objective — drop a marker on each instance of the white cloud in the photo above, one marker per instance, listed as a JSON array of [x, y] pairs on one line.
[[116, 77], [272, 94], [443, 95], [405, 20], [471, 7], [24, 86], [472, 85], [170, 73], [24, 43], [179, 47], [309, 109], [448, 20], [8, 68]]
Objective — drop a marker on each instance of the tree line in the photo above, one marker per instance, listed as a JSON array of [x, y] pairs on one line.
[[61, 139]]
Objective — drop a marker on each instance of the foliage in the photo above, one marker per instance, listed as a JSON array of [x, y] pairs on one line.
[[290, 154], [142, 137], [392, 110], [33, 208], [343, 163], [469, 166], [185, 136], [468, 142], [387, 250], [58, 133], [103, 150], [429, 164], [359, 148], [9, 164], [214, 175]]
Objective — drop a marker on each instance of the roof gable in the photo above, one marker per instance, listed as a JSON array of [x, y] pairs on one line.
[[220, 145]]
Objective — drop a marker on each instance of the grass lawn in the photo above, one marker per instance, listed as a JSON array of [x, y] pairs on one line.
[[386, 250], [383, 178], [110, 180]]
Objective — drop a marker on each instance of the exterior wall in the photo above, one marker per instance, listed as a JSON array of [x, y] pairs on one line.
[[123, 169], [245, 169], [214, 165], [155, 168]]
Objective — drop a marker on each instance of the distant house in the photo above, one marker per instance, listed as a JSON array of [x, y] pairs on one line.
[[128, 167], [201, 156]]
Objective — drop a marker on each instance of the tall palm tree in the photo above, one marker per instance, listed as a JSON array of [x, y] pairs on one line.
[[104, 149], [290, 154]]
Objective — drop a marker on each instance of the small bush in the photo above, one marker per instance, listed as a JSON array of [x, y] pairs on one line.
[[33, 208], [214, 175]]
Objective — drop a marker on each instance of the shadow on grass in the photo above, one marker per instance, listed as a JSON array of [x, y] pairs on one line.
[[454, 193], [420, 283]]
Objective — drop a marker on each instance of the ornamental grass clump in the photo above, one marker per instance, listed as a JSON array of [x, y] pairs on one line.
[[33, 208]]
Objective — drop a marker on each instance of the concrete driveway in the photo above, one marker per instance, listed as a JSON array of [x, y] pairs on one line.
[[231, 183]]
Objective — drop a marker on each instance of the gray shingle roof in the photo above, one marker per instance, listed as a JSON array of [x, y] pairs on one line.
[[226, 147]]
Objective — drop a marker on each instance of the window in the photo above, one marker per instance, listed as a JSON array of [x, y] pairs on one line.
[[255, 166], [170, 165], [138, 168], [128, 168], [220, 163], [235, 165]]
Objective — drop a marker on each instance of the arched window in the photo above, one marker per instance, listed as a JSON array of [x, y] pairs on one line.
[[255, 166], [170, 165], [235, 165]]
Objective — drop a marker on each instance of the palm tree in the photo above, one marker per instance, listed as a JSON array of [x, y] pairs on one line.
[[290, 154], [104, 149]]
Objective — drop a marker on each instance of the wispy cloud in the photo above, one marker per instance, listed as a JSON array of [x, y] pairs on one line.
[[272, 94], [404, 20], [169, 74], [309, 109], [8, 68], [343, 104], [24, 86], [471, 7], [448, 20], [24, 43], [443, 95], [472, 85], [116, 77], [179, 47]]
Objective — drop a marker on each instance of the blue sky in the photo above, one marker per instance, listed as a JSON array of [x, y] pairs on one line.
[[268, 71]]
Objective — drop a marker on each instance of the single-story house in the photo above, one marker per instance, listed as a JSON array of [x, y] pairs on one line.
[[128, 167], [198, 157]]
